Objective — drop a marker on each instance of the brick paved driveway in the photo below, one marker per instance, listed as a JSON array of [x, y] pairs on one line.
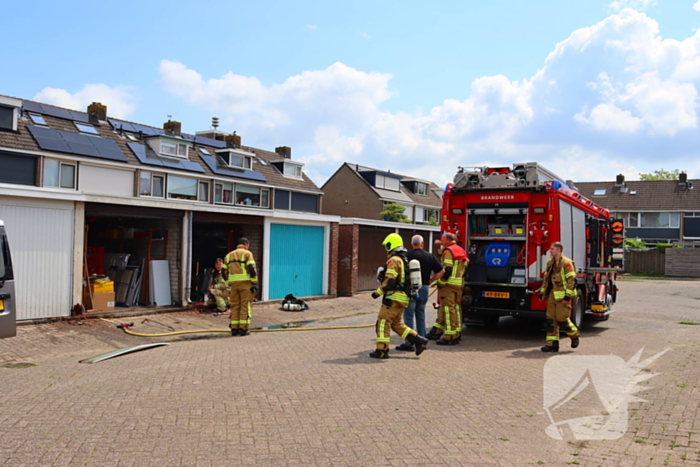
[[315, 398]]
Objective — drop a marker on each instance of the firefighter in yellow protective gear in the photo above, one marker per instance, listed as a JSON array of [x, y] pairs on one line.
[[243, 285], [559, 287], [447, 329], [395, 300], [218, 287]]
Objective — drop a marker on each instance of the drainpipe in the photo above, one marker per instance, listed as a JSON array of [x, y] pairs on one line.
[[188, 256]]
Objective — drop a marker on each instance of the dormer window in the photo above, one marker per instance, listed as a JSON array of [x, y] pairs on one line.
[[168, 148], [421, 189], [290, 169], [388, 183], [237, 158], [8, 113]]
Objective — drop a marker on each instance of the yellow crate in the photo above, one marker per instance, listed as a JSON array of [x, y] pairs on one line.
[[102, 286]]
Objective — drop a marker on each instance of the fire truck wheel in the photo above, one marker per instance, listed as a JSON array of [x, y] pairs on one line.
[[491, 321], [577, 311]]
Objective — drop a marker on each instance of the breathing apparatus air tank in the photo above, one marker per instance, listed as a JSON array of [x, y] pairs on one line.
[[414, 276], [291, 306]]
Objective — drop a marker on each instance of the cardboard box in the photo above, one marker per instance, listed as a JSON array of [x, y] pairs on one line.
[[100, 302], [102, 286]]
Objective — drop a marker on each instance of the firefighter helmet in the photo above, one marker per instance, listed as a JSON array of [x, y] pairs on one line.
[[392, 241]]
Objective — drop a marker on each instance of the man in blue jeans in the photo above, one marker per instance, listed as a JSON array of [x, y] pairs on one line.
[[430, 271]]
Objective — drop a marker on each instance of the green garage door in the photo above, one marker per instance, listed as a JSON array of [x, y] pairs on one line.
[[296, 260]]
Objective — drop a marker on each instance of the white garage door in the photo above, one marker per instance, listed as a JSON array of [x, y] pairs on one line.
[[41, 240]]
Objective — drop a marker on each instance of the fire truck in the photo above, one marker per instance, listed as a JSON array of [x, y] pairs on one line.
[[506, 218]]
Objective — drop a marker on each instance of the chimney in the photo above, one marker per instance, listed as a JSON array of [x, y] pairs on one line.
[[173, 127], [682, 178], [284, 151], [98, 111], [233, 141], [620, 180]]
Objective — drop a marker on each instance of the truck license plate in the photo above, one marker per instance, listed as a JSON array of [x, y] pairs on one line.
[[497, 294]]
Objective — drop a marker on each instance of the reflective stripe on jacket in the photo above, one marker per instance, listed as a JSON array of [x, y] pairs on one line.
[[453, 255], [562, 280], [394, 270], [237, 263]]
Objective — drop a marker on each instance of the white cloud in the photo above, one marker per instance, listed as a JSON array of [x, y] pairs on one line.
[[120, 100], [639, 5], [696, 7], [311, 27], [611, 98], [365, 36]]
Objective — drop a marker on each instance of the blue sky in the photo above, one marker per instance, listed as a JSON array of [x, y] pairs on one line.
[[589, 88]]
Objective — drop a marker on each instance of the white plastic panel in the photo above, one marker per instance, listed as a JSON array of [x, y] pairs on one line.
[[41, 238]]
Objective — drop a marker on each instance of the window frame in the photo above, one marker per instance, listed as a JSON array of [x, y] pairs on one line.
[[295, 167], [59, 175], [672, 219], [153, 176], [424, 191], [259, 195], [86, 129], [194, 181], [231, 196], [37, 119]]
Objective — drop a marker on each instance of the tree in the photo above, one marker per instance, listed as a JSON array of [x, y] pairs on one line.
[[394, 213], [661, 175]]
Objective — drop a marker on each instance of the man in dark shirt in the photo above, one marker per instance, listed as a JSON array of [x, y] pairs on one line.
[[430, 270]]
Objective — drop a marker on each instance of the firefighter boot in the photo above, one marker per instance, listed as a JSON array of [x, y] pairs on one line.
[[380, 353], [406, 347], [574, 342], [234, 331], [419, 342], [553, 347], [433, 334]]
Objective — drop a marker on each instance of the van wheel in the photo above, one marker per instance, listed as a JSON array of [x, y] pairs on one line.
[[577, 311]]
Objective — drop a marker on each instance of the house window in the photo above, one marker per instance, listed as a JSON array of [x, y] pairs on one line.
[[86, 128], [151, 184], [654, 220], [292, 170], [59, 174], [223, 193], [182, 187], [203, 192], [252, 196], [388, 183], [173, 149], [204, 151], [8, 118], [599, 192], [19, 170], [236, 160], [304, 202], [131, 137], [421, 189], [38, 119], [431, 215]]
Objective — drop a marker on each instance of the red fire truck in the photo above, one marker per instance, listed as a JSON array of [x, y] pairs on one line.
[[506, 218]]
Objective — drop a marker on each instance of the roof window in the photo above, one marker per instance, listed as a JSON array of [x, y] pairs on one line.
[[131, 137], [599, 192], [89, 129], [38, 119], [204, 151]]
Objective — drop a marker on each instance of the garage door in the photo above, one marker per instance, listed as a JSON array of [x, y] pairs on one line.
[[296, 260], [41, 238]]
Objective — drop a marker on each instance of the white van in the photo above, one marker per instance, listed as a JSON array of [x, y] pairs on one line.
[[8, 315]]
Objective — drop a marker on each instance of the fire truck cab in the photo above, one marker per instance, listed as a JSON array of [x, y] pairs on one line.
[[506, 218]]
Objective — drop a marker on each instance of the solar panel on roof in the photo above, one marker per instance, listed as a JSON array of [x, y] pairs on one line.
[[150, 158], [220, 169], [56, 112], [66, 141], [81, 117], [126, 126], [32, 107]]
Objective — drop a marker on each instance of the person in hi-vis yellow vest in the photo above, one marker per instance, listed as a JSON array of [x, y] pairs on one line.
[[243, 285]]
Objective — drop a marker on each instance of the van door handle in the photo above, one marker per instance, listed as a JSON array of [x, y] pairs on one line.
[[5, 296]]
